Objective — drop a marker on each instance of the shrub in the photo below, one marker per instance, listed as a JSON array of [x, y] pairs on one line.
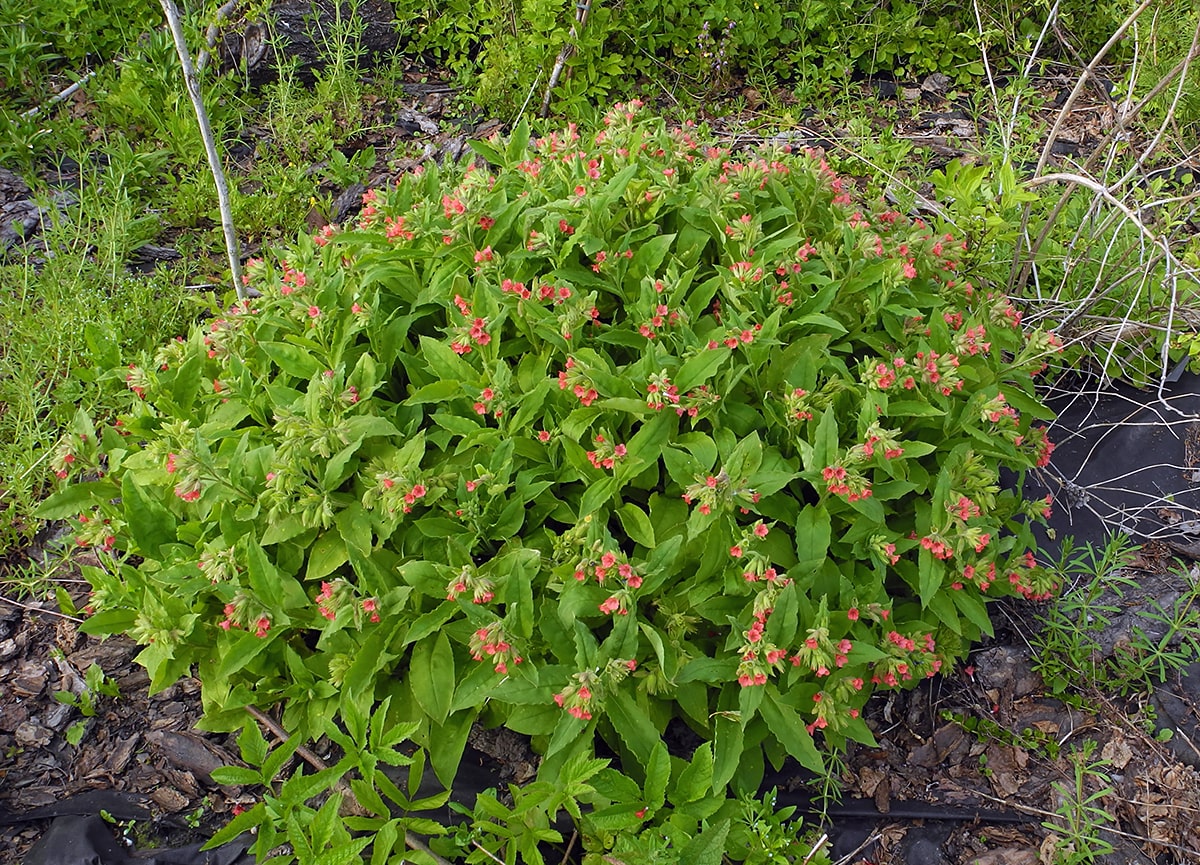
[[624, 431]]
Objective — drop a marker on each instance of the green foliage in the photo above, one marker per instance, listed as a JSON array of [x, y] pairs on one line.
[[631, 429], [508, 47], [61, 326], [1076, 837], [95, 685], [1069, 649]]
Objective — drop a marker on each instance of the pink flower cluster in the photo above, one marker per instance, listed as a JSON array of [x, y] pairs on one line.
[[473, 331], [573, 377], [492, 642], [606, 454], [325, 601], [482, 589], [660, 392], [840, 482]]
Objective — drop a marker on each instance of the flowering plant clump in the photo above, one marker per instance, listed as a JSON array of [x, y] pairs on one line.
[[613, 431]]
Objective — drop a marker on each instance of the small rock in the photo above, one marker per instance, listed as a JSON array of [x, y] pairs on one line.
[[415, 121], [947, 747], [170, 800], [922, 845], [8, 649], [33, 735], [1007, 856], [348, 203], [1117, 752], [57, 716], [936, 84], [70, 680], [119, 757], [13, 716], [1009, 670], [189, 752], [30, 679]]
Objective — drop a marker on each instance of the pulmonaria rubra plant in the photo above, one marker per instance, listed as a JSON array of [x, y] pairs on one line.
[[607, 432]]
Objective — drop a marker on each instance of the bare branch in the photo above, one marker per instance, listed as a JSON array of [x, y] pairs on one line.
[[582, 9], [192, 83]]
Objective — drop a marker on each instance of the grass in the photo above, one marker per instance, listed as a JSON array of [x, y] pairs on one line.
[[64, 324]]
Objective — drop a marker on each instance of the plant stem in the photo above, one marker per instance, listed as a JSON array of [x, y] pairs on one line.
[[192, 82]]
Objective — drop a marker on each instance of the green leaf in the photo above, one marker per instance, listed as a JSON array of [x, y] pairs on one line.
[[490, 154], [354, 524], [431, 675], [150, 523], [973, 610], [102, 345], [340, 466], [252, 744], [814, 530], [790, 730], [635, 725], [708, 847], [658, 775], [246, 647], [649, 256], [597, 494], [282, 530], [444, 363], [370, 426], [700, 368], [235, 775], [327, 555], [745, 459], [826, 445], [637, 525], [446, 744], [74, 500], [292, 359], [431, 621], [696, 779], [439, 391]]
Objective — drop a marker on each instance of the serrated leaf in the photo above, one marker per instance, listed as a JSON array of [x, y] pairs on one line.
[[790, 730], [658, 776], [708, 847], [635, 725]]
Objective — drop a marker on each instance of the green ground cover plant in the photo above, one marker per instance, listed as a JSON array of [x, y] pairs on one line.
[[621, 432]]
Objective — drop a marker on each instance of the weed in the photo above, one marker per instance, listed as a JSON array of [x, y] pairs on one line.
[[1028, 739], [61, 327], [1068, 649], [95, 686], [1076, 835]]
